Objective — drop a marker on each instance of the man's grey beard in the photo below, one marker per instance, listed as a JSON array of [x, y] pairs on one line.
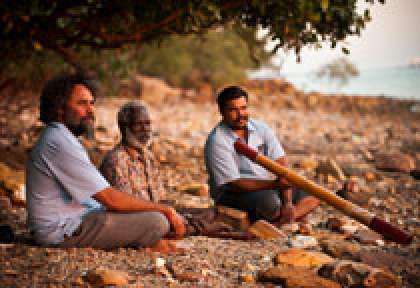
[[131, 140]]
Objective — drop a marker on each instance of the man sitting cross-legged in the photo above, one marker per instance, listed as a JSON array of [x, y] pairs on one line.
[[69, 203]]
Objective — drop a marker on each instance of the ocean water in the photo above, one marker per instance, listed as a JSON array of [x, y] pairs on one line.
[[396, 82]]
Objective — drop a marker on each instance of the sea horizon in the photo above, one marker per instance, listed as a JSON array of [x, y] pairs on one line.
[[398, 82]]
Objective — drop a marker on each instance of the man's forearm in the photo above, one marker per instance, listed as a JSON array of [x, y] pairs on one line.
[[115, 200]]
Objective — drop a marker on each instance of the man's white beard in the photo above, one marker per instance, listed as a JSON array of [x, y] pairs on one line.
[[132, 141]]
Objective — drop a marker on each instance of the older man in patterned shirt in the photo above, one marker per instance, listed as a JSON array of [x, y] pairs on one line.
[[131, 166]]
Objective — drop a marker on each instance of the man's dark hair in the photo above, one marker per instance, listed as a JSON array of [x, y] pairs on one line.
[[229, 93], [57, 91]]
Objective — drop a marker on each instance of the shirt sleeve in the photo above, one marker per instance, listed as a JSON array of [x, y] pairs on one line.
[[73, 170], [274, 148], [116, 174], [220, 163]]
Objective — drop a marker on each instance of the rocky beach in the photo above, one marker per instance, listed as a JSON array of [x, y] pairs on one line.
[[372, 141]]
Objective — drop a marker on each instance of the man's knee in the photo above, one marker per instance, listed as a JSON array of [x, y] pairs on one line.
[[269, 205], [159, 223]]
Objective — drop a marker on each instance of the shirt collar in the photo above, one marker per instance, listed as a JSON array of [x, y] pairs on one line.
[[66, 131]]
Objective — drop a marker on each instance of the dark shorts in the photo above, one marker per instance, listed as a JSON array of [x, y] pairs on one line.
[[263, 204]]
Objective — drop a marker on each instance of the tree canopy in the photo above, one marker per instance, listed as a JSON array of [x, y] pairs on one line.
[[65, 27]]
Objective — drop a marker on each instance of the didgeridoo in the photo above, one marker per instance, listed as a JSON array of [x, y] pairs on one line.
[[354, 211]]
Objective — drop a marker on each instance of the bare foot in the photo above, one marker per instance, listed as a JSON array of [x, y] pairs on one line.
[[163, 246]]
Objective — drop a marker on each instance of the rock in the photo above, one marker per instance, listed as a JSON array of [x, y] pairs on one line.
[[330, 167], [356, 169], [233, 217], [302, 258], [190, 201], [396, 162], [302, 241], [341, 249], [392, 262], [305, 229], [103, 277], [290, 228], [369, 237], [289, 276], [354, 274], [335, 224], [196, 189], [264, 230], [189, 276], [14, 182], [367, 155], [247, 278], [369, 176], [307, 164]]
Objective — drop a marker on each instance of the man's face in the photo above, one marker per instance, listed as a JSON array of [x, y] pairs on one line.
[[140, 126], [235, 113], [79, 114]]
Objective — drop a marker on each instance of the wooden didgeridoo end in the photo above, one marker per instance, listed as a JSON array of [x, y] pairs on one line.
[[390, 232], [376, 224]]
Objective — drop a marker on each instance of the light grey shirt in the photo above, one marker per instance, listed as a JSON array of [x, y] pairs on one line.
[[225, 165], [60, 180]]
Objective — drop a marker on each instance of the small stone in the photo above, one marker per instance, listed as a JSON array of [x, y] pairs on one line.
[[366, 236], [307, 164], [396, 162], [330, 167], [302, 258], [289, 276], [369, 176], [305, 229], [233, 217], [189, 276], [264, 230], [102, 277], [290, 228], [302, 241], [341, 249], [335, 224], [196, 189], [247, 278]]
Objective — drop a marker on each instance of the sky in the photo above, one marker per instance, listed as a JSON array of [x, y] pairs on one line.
[[391, 39]]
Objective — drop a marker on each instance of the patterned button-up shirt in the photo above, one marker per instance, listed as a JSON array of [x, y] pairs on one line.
[[133, 171]]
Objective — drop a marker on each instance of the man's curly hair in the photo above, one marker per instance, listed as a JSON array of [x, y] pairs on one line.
[[57, 91]]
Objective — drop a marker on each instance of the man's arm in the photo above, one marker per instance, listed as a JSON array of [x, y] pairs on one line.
[[115, 200]]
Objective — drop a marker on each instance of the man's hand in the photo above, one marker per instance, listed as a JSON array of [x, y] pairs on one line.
[[176, 222], [283, 183]]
